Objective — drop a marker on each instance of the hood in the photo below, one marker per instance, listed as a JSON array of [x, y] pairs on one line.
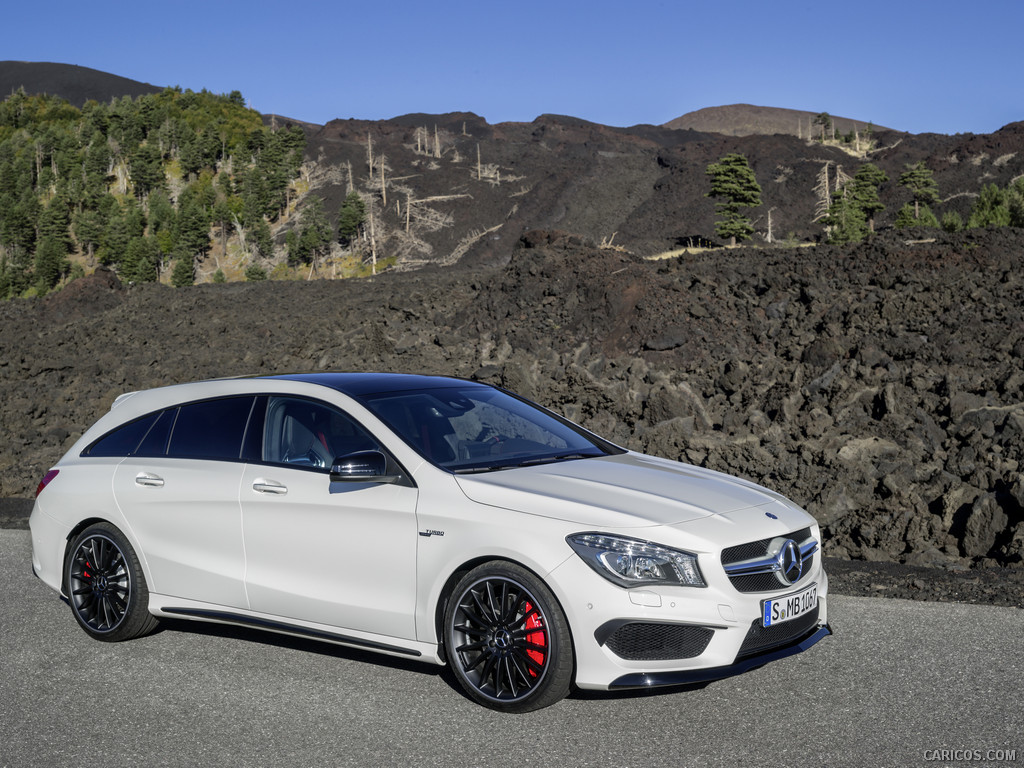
[[625, 491]]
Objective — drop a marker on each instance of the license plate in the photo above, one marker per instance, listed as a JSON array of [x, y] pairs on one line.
[[789, 607]]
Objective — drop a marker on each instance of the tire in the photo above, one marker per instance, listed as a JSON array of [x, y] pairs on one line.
[[105, 586], [507, 639]]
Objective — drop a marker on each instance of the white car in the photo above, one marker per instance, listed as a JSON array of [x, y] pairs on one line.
[[430, 518]]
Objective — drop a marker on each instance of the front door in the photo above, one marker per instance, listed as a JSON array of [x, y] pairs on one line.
[[340, 554]]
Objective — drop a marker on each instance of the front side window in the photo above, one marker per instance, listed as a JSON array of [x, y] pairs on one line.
[[307, 433]]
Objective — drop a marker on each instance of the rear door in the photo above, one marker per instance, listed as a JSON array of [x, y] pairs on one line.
[[179, 492]]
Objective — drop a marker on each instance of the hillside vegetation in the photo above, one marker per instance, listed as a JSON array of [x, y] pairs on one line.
[[180, 187], [139, 185]]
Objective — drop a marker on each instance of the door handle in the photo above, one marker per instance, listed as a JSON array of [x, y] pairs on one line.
[[262, 485], [149, 480]]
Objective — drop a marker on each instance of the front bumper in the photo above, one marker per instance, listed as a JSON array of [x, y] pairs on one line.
[[716, 630], [695, 676]]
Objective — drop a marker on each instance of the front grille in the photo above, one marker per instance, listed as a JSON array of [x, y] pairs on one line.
[[758, 548], [761, 639], [641, 641], [761, 582]]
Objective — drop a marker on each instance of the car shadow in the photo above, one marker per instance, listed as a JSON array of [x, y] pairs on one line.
[[326, 648], [636, 693], [292, 642]]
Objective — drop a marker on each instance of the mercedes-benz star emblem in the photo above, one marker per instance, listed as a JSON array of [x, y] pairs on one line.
[[791, 565]]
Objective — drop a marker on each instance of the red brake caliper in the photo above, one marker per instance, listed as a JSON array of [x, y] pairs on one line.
[[537, 637]]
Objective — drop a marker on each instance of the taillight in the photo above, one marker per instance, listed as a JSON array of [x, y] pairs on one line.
[[46, 480]]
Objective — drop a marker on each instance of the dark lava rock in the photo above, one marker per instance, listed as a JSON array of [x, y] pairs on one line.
[[877, 385]]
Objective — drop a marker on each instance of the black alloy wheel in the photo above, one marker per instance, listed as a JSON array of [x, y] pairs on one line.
[[507, 639], [105, 585]]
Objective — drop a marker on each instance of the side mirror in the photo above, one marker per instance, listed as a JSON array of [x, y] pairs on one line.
[[362, 467]]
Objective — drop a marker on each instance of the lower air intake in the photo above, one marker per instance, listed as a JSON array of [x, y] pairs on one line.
[[640, 641]]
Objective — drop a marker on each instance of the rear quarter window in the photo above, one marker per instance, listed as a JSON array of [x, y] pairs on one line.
[[123, 440]]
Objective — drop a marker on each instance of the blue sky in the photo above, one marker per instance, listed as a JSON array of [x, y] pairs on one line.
[[938, 66]]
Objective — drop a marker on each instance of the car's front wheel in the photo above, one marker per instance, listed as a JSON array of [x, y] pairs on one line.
[[507, 639], [105, 585]]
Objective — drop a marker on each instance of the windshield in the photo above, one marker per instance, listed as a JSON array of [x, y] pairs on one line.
[[479, 429]]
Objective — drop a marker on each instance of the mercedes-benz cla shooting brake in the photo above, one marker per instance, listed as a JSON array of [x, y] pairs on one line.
[[430, 518]]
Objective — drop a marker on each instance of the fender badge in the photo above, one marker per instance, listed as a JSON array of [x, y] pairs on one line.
[[431, 532]]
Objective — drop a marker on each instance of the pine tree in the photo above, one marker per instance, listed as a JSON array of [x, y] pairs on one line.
[[845, 220], [864, 191], [184, 271], [51, 262], [1016, 203], [140, 261], [261, 239], [915, 216], [351, 218], [733, 180], [991, 209], [952, 221], [315, 233], [918, 179]]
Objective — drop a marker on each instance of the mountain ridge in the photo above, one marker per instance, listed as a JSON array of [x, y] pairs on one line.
[[752, 120], [79, 84], [69, 81]]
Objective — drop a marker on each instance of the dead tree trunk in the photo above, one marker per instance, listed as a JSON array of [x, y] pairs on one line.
[[373, 242], [824, 193]]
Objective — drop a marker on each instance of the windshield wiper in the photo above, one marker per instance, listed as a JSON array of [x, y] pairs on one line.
[[488, 468], [527, 463], [559, 457]]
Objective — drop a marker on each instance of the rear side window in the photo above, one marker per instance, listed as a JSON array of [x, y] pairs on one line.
[[155, 441], [212, 429], [123, 440]]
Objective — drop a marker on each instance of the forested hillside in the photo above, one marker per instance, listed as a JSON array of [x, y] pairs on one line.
[[140, 185], [181, 187]]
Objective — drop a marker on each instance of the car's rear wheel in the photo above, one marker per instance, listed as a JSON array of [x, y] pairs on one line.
[[105, 585], [507, 639]]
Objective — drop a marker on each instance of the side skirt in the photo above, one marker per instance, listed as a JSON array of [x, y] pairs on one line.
[[226, 617]]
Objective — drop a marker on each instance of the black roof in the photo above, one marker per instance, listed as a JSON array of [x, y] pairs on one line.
[[357, 384]]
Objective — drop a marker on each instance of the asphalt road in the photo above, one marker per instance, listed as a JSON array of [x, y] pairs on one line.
[[898, 683]]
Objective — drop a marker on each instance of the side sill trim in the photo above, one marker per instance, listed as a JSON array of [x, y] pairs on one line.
[[275, 626], [690, 677]]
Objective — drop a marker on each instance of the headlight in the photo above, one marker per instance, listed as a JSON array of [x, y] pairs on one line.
[[635, 563]]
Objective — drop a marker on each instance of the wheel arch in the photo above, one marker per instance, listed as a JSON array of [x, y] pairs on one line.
[[86, 522], [69, 540], [456, 575]]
